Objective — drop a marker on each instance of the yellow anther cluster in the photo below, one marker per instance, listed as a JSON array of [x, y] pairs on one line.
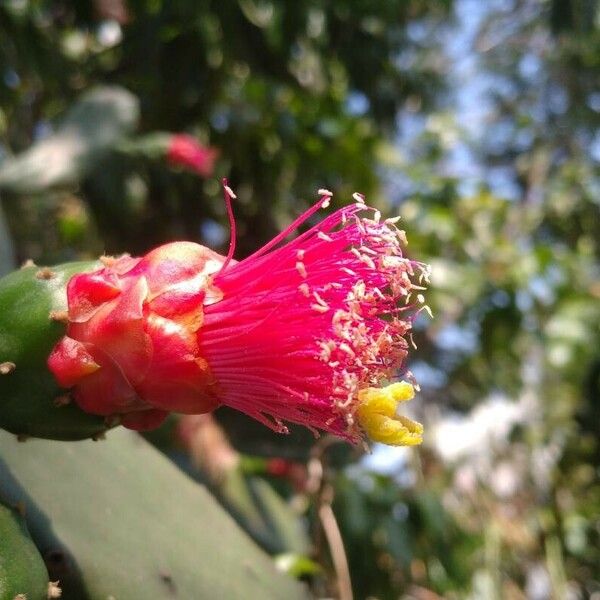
[[376, 414]]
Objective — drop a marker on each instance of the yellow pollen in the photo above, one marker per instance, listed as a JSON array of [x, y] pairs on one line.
[[376, 414]]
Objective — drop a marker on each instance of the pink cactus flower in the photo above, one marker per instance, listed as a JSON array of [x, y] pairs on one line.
[[185, 151], [311, 331]]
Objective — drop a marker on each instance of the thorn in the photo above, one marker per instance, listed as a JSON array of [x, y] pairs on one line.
[[54, 590], [7, 367], [62, 316], [62, 400], [45, 273], [22, 438], [167, 579], [28, 263], [107, 261], [21, 508], [112, 420]]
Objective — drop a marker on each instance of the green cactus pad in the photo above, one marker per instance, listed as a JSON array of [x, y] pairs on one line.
[[22, 570], [118, 519], [28, 391]]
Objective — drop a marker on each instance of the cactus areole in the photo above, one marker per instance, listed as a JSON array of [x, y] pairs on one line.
[[311, 331]]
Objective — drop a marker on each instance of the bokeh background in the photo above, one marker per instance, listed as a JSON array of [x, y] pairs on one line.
[[479, 123]]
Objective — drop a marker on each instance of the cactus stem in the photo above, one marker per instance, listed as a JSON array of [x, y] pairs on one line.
[[7, 367], [28, 263], [45, 273], [22, 438], [54, 590], [62, 400], [61, 316]]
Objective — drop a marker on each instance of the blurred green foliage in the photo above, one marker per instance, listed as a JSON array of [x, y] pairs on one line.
[[479, 123]]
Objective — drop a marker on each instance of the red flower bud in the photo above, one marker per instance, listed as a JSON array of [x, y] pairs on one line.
[[185, 151], [278, 467], [131, 347]]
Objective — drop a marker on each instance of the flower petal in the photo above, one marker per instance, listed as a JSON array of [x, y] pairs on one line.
[[70, 362]]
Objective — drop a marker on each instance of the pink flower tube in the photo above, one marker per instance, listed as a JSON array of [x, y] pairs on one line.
[[313, 331]]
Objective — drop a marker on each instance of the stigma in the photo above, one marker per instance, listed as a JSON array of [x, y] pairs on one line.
[[376, 412]]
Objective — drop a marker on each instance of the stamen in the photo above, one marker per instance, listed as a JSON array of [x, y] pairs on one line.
[[304, 290], [228, 195], [323, 203], [319, 308], [324, 237], [301, 269]]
